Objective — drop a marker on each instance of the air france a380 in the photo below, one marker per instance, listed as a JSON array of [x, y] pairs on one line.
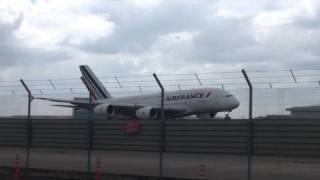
[[202, 102]]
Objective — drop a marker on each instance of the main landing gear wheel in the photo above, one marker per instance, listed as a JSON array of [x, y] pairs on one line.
[[227, 116]]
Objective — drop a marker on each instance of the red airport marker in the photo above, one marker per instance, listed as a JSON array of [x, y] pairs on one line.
[[203, 171], [98, 169], [17, 174]]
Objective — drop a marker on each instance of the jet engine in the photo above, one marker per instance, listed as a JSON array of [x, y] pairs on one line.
[[146, 113], [104, 109]]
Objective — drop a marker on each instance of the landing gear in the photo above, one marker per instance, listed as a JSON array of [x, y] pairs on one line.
[[227, 116]]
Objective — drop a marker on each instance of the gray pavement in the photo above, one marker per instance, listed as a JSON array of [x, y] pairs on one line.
[[179, 165]]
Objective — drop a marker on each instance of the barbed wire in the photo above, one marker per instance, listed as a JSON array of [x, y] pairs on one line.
[[281, 78]]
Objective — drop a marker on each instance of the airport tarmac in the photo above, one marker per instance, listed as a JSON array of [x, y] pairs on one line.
[[178, 165]]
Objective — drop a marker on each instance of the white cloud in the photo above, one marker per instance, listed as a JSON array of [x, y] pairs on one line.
[[266, 22], [175, 42], [237, 9], [47, 24], [178, 37], [144, 3], [11, 11], [202, 31]]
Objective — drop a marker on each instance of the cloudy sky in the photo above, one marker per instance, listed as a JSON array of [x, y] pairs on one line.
[[50, 38], [43, 39]]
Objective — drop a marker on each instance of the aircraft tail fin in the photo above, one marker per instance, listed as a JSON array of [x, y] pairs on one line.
[[93, 84]]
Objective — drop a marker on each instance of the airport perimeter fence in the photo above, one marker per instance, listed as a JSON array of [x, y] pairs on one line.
[[298, 141], [273, 90], [299, 137], [260, 93]]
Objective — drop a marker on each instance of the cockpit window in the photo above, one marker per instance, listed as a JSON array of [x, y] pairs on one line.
[[229, 95]]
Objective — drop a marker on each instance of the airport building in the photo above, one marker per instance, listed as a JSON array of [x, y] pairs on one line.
[[305, 112]]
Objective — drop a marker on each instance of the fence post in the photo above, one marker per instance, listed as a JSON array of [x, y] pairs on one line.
[[90, 129], [162, 127], [250, 128], [30, 98]]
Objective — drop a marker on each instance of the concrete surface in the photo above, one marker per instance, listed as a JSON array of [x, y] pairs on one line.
[[187, 166]]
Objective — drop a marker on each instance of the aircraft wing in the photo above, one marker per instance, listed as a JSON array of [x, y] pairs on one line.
[[120, 109], [75, 103], [62, 105]]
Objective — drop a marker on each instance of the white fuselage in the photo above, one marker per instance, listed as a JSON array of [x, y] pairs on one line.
[[195, 101], [202, 101]]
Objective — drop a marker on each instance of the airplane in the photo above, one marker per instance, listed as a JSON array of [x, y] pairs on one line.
[[202, 102]]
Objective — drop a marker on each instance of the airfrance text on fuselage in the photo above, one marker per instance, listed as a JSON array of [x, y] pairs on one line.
[[187, 96]]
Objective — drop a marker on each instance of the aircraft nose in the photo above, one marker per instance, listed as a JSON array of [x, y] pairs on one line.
[[236, 103]]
